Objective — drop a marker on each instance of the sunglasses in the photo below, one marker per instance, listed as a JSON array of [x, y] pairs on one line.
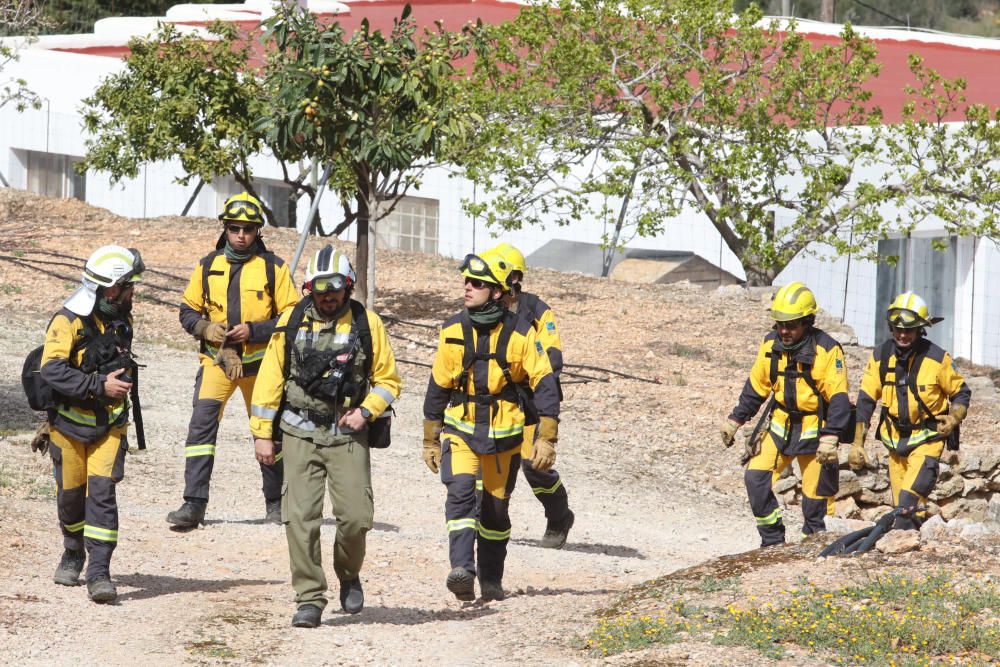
[[241, 229], [791, 324], [904, 319], [476, 283], [250, 210], [333, 283]]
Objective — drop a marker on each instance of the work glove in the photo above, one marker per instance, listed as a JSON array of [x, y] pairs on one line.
[[231, 363], [432, 443], [728, 432], [544, 455], [40, 443], [857, 458], [210, 332], [947, 423], [826, 453]]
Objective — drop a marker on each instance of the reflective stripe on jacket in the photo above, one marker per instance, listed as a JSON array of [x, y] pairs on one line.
[[239, 293], [497, 425], [81, 415], [795, 424]]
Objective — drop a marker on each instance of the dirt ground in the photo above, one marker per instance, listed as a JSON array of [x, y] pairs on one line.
[[652, 490]]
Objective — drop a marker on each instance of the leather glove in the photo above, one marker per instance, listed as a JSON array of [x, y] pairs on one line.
[[728, 432], [857, 458], [947, 423], [544, 456], [211, 332], [432, 443], [231, 363], [826, 454], [40, 443]]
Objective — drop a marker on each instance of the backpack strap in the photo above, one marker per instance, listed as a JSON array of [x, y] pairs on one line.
[[470, 356], [206, 271], [359, 325], [270, 262], [292, 326]]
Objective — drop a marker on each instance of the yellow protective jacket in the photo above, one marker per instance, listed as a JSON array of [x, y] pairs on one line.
[[239, 293], [384, 385], [536, 311], [810, 390], [927, 374], [83, 414], [472, 394]]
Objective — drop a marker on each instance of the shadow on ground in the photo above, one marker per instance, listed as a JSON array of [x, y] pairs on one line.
[[155, 585], [616, 550]]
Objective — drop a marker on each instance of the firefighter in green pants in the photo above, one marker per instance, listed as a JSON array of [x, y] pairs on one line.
[[328, 374]]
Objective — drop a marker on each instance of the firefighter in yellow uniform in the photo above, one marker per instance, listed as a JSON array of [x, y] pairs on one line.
[[231, 304], [924, 399], [802, 369], [474, 421], [330, 365], [89, 422], [546, 485]]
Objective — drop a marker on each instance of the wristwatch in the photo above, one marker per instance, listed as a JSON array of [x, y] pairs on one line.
[[366, 413]]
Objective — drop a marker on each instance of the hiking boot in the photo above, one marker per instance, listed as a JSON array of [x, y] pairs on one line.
[[352, 598], [190, 514], [462, 583], [70, 567], [556, 532], [307, 616], [490, 590], [272, 511], [101, 590]]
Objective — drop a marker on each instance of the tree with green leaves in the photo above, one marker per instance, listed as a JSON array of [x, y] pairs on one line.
[[191, 96], [20, 21], [637, 111], [381, 108]]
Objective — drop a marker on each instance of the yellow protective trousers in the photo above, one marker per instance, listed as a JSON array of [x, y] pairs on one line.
[[484, 524], [547, 486], [819, 484], [912, 478], [86, 476], [212, 390]]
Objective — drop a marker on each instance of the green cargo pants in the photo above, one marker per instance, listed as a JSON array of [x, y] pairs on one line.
[[345, 470]]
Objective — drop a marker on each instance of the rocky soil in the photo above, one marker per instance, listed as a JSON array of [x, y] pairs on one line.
[[652, 490]]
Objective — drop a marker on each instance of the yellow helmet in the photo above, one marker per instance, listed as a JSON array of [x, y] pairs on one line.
[[792, 302], [489, 267], [513, 256], [909, 311], [243, 207]]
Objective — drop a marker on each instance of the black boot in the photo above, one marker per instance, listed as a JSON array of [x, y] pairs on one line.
[[352, 598], [190, 514], [70, 567], [490, 590], [462, 583], [272, 511], [307, 616], [100, 589], [556, 532]]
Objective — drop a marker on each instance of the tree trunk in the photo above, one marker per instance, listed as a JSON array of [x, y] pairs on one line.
[[826, 11], [361, 254], [373, 217]]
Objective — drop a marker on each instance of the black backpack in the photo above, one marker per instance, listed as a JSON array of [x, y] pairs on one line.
[[40, 395]]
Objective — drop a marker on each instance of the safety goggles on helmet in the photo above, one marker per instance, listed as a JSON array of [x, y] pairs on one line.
[[476, 266], [902, 318], [333, 283], [138, 266], [243, 210]]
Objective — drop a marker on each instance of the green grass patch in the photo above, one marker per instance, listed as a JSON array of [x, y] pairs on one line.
[[889, 620]]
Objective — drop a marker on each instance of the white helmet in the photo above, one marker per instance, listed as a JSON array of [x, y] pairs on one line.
[[108, 266], [329, 269]]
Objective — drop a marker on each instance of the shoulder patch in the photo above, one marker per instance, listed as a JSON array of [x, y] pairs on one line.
[[538, 346], [550, 326], [840, 364]]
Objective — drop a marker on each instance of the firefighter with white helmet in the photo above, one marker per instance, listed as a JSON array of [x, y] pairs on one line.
[[924, 400], [231, 305], [547, 485], [89, 421], [475, 413], [325, 387], [802, 370]]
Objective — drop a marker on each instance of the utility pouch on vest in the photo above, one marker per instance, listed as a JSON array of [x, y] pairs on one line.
[[379, 431], [829, 480]]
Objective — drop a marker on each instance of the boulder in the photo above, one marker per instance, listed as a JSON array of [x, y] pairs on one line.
[[873, 497], [935, 528], [873, 513], [785, 484], [977, 531], [839, 526], [899, 541], [849, 484], [974, 484], [967, 508], [947, 488], [993, 509], [969, 464], [846, 508], [989, 462]]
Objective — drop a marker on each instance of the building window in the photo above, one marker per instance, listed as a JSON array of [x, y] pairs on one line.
[[55, 175], [413, 226]]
